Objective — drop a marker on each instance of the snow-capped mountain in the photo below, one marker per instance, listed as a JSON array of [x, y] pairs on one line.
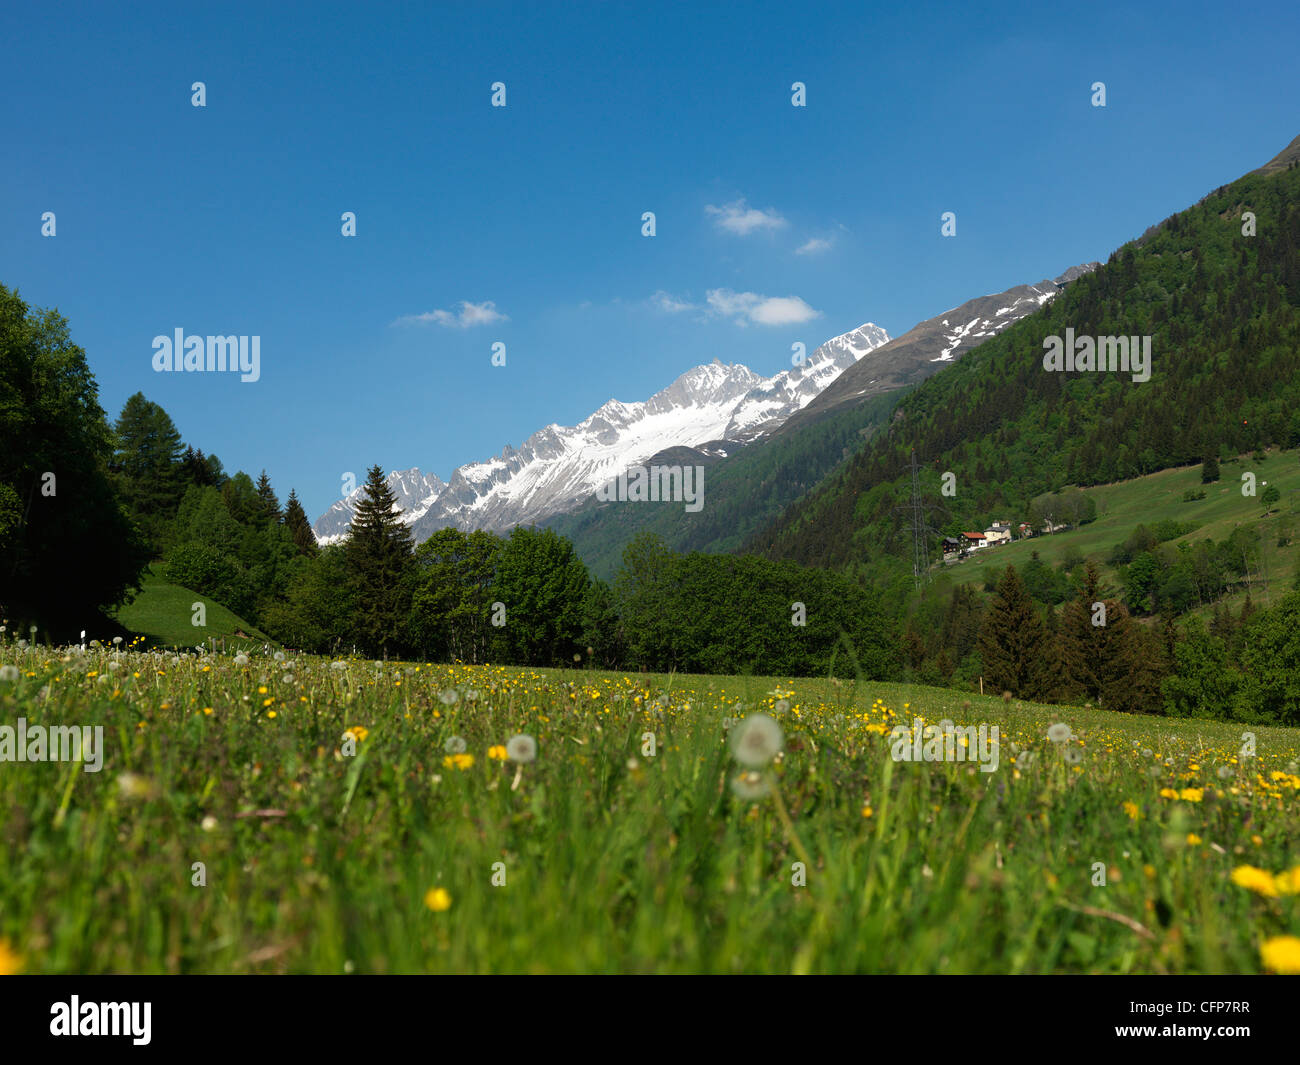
[[559, 467], [931, 345]]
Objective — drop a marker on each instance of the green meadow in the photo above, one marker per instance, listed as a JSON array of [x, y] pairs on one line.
[[1122, 506], [297, 815]]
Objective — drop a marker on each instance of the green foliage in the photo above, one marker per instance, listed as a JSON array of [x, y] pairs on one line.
[[452, 603], [148, 466], [68, 549], [543, 585], [381, 568], [720, 613]]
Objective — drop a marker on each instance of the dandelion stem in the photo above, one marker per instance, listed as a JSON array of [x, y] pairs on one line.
[[786, 822]]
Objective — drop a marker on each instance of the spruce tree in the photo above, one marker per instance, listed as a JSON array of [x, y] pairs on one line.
[[295, 520], [1080, 639], [268, 504], [148, 462], [1209, 470], [380, 560], [1011, 639]]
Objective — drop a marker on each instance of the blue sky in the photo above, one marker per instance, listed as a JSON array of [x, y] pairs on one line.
[[523, 223]]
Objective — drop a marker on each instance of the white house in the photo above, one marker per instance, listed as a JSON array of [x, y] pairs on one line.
[[998, 533]]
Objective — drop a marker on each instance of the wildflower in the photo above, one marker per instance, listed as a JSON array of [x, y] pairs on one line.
[[1256, 880], [338, 667], [1281, 954], [750, 785], [134, 786], [1059, 733], [497, 752], [756, 740], [1225, 771], [241, 659], [9, 673], [1131, 808], [448, 697], [1072, 755], [10, 962], [208, 823], [454, 745], [437, 899], [521, 749], [1288, 883], [1168, 793], [458, 761], [1193, 840], [1191, 794], [357, 732]]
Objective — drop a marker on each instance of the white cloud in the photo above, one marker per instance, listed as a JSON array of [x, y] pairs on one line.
[[470, 314], [814, 246], [741, 219], [670, 304], [747, 307]]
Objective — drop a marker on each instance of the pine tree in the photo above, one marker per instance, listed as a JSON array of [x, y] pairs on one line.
[[295, 520], [1011, 639], [1209, 469], [268, 504], [380, 559], [1054, 683], [148, 462], [1080, 640]]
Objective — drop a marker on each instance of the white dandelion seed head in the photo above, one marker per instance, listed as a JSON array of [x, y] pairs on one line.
[[9, 673], [208, 823], [1072, 755], [1225, 771], [22, 645], [241, 659], [1059, 733], [117, 639], [454, 745], [756, 740], [339, 666], [782, 706], [287, 679], [521, 749], [664, 700], [1146, 752], [279, 656], [448, 697]]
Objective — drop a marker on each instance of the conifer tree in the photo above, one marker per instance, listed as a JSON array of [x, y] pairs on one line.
[[380, 560], [268, 504], [295, 520], [1080, 639], [1011, 639]]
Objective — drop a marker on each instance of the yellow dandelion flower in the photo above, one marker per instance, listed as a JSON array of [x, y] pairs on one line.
[[10, 962], [1131, 808], [1256, 880], [437, 899], [1168, 793], [1281, 954], [1288, 882], [497, 752], [1193, 840], [1191, 794]]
